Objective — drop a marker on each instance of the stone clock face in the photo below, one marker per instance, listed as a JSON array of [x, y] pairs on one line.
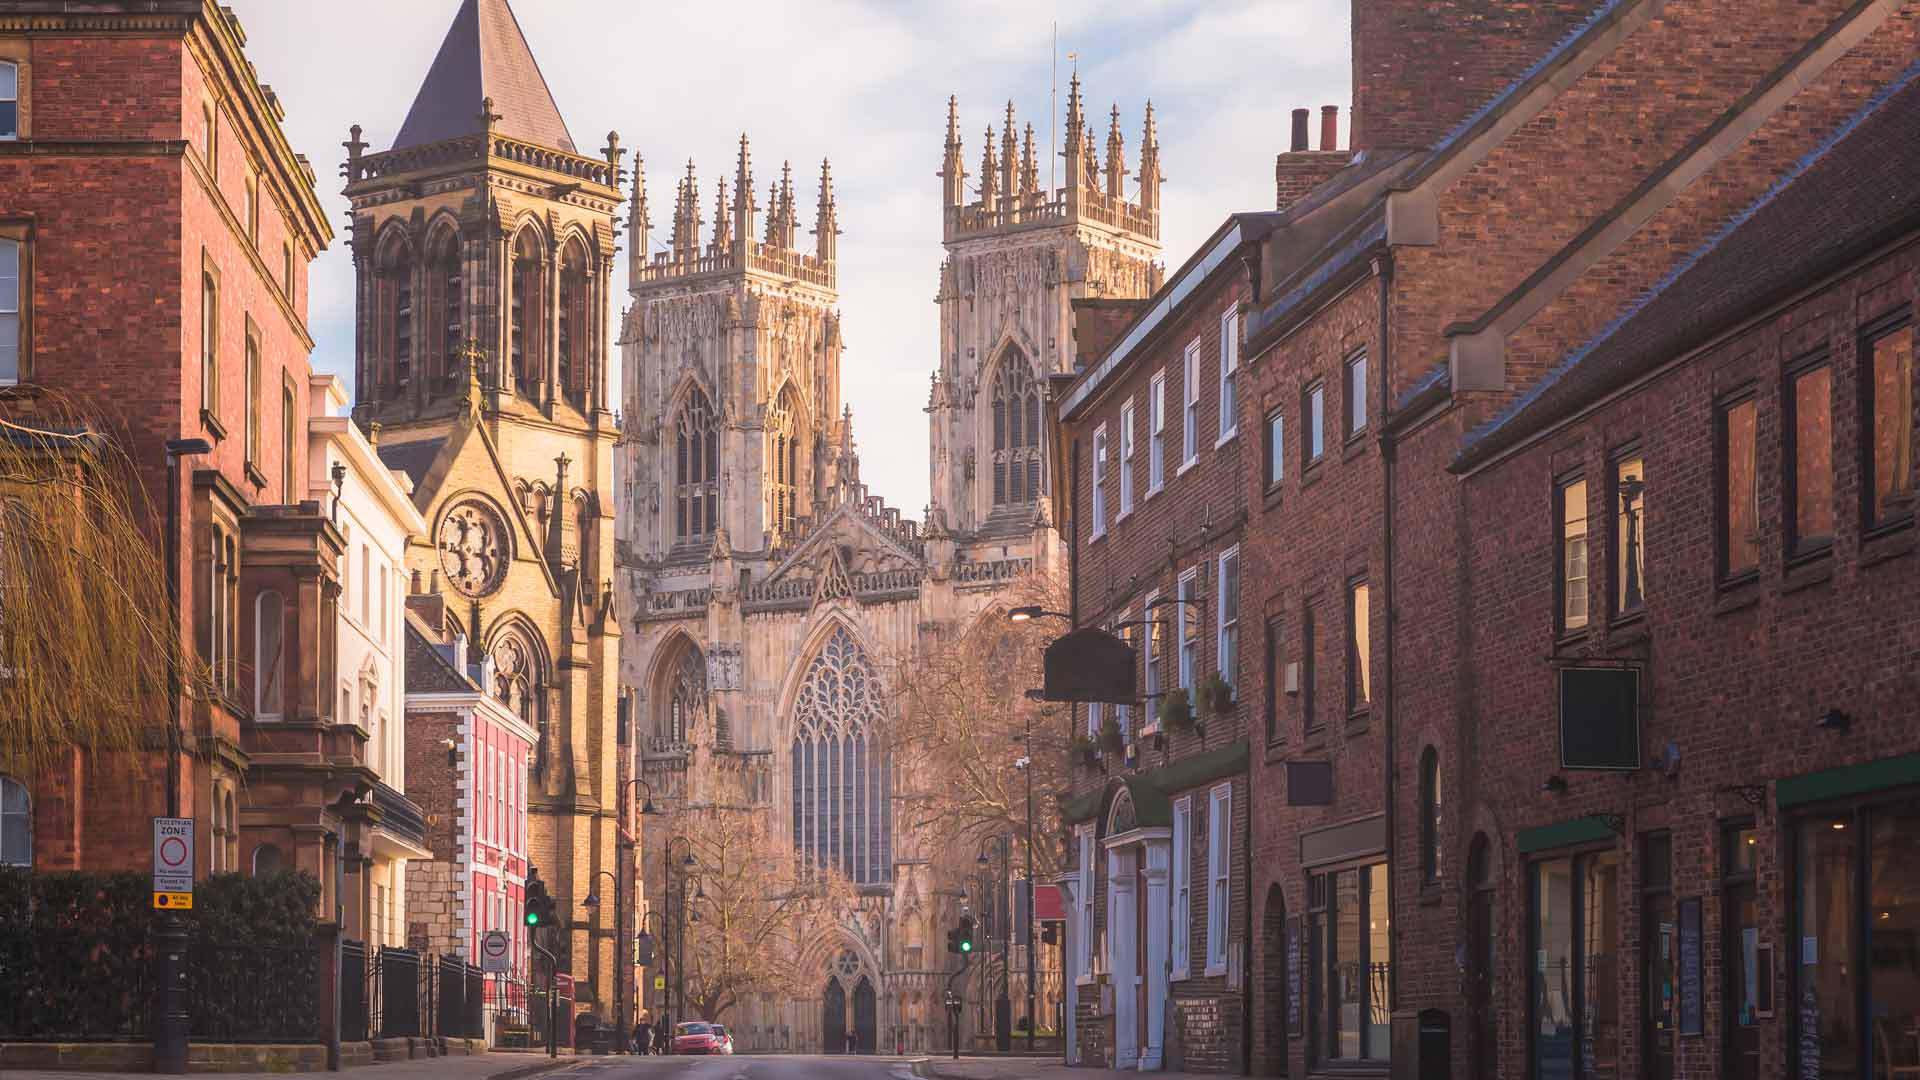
[[473, 548]]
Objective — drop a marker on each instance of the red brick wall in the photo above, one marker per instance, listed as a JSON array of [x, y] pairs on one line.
[[1421, 66]]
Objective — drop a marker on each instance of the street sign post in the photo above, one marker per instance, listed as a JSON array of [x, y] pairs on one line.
[[172, 863], [494, 958]]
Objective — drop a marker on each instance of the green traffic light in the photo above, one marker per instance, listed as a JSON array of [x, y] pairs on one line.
[[966, 946], [533, 918]]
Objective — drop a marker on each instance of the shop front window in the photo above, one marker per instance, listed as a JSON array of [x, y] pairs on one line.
[[1828, 923], [1660, 937], [1740, 920], [1576, 984], [1352, 967], [1850, 935]]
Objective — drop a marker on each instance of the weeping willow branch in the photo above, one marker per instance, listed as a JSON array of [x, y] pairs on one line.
[[88, 646]]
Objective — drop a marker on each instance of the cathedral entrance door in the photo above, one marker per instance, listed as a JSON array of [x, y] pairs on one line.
[[833, 1018], [866, 1020]]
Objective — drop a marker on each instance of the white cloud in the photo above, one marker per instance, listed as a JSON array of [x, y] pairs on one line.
[[862, 81]]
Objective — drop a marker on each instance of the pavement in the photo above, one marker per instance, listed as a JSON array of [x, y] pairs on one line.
[[1027, 1069], [471, 1067]]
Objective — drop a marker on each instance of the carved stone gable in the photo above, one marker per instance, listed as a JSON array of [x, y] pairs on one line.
[[831, 582]]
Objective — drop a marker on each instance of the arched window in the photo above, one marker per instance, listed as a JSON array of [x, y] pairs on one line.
[[1016, 433], [576, 336], [527, 316], [1431, 841], [267, 860], [696, 484], [784, 432], [269, 660], [520, 679], [446, 299], [16, 823], [686, 695], [842, 814], [393, 305]]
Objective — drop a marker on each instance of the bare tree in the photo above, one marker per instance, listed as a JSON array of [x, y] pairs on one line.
[[751, 903], [966, 735], [88, 645]]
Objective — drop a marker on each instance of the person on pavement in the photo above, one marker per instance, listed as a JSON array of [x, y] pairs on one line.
[[643, 1037]]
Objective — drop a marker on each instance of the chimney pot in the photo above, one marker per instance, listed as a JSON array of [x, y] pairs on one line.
[[1299, 130], [1329, 127]]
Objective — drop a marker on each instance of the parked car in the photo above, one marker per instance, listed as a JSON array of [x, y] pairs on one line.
[[699, 1037]]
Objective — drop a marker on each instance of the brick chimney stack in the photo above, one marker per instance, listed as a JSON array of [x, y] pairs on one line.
[[1329, 127], [1299, 143]]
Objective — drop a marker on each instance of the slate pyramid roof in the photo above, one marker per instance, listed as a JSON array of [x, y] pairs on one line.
[[485, 56]]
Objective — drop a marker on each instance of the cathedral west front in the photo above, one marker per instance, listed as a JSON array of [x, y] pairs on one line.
[[769, 596]]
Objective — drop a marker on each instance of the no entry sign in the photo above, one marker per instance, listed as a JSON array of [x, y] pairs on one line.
[[172, 862], [493, 952]]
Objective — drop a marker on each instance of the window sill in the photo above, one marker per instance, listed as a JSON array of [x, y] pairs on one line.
[[21, 392], [1888, 544], [1097, 537], [1311, 473], [1180, 976], [1806, 575], [1186, 466], [1569, 640], [1227, 438], [254, 474], [1357, 723], [213, 425], [1124, 515], [1737, 599], [1276, 752], [1271, 498], [1627, 621], [1355, 445], [1152, 491], [1216, 971]]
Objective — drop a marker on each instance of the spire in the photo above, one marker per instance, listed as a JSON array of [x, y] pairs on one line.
[[1092, 159], [485, 55], [989, 175], [773, 214], [686, 218], [1029, 168], [1150, 165], [789, 217], [952, 170], [1010, 161], [1076, 123], [1116, 159], [826, 221], [638, 224], [722, 226], [1075, 148], [743, 207]]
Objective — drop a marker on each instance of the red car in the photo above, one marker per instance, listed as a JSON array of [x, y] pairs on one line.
[[696, 1037]]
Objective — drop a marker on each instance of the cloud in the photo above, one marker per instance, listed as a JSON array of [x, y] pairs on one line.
[[863, 81]]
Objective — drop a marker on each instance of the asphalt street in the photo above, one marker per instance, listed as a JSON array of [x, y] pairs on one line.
[[738, 1067]]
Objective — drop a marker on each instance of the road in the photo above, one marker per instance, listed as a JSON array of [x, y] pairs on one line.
[[738, 1067]]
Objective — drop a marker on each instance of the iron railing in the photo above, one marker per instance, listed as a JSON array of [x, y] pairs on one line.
[[254, 993]]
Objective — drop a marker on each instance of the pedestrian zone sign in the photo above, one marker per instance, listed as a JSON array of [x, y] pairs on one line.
[[172, 863], [659, 982], [493, 952]]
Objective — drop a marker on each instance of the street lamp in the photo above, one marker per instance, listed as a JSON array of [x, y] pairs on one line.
[[679, 998], [170, 1021], [1028, 614], [592, 903]]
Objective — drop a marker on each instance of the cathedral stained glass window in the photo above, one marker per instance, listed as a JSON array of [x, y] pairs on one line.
[[697, 469], [842, 816], [1016, 434]]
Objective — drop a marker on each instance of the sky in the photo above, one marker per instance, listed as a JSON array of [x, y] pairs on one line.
[[863, 82]]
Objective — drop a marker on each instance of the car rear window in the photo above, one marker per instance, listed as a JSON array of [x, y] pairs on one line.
[[695, 1029]]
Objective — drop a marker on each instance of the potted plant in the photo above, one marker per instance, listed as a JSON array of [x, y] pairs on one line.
[[1086, 751], [1175, 709], [1216, 695], [1110, 738]]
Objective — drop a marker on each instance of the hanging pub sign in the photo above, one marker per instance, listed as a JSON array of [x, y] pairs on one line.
[[1090, 665], [1600, 718]]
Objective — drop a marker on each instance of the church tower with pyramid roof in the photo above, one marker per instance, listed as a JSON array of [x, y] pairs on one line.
[[483, 244]]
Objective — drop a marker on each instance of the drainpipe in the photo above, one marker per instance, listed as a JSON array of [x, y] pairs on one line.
[[1383, 283]]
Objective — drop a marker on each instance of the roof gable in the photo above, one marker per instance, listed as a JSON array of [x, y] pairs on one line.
[[485, 55]]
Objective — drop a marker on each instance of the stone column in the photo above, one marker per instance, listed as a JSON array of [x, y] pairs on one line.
[[1122, 956], [1159, 924]]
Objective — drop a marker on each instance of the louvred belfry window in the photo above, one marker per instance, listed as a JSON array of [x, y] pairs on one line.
[[1016, 433], [842, 815], [783, 463], [394, 305], [696, 469], [575, 357], [446, 288], [527, 317]]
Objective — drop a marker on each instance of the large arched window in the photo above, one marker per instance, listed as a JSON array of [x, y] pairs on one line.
[[1431, 840], [16, 823], [393, 308], [1016, 433], [527, 316], [696, 475], [784, 432], [446, 300], [576, 337], [842, 816], [269, 660], [685, 695], [520, 678]]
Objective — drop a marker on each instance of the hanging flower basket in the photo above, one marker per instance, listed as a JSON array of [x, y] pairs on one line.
[[1175, 709], [1086, 751], [1216, 695], [1110, 738]]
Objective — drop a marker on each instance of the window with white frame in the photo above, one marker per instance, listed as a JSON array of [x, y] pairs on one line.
[[1099, 481], [1219, 896], [1314, 437], [1083, 941], [1155, 643], [9, 102], [1190, 406], [1182, 888], [1122, 712], [1156, 432], [11, 291], [1227, 603], [1356, 395], [1126, 458], [16, 823], [1276, 450], [1229, 366], [1189, 628], [1096, 716]]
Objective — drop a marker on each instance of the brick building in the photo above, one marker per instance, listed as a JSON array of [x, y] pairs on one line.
[[159, 227], [1150, 434], [1526, 177]]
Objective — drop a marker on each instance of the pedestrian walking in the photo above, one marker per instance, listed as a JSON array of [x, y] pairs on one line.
[[643, 1037]]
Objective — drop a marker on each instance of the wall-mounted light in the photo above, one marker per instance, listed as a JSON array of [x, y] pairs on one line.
[[1835, 720], [1555, 785]]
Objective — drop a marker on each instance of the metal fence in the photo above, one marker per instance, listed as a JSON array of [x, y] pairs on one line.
[[411, 995]]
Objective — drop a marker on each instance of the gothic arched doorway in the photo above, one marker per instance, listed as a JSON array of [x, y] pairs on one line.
[[833, 1018], [1274, 929], [866, 1018]]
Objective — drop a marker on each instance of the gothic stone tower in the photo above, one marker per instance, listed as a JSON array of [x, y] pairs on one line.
[[483, 243], [1018, 255]]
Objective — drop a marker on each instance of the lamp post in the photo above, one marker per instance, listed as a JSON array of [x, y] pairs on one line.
[[170, 1019], [623, 961], [592, 903], [678, 1000], [1003, 924]]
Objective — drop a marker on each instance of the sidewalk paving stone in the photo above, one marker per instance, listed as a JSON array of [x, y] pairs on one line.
[[1028, 1069], [497, 1066]]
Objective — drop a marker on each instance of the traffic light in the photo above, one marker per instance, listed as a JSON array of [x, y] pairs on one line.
[[539, 906], [643, 950], [963, 937]]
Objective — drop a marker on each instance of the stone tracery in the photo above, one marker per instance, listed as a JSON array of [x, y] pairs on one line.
[[842, 816]]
